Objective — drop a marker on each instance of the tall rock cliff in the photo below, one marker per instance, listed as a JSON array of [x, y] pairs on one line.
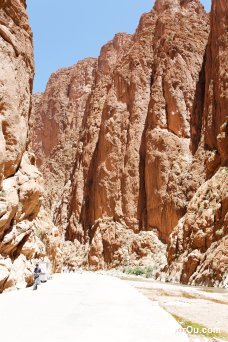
[[132, 146], [197, 251], [54, 133], [21, 184]]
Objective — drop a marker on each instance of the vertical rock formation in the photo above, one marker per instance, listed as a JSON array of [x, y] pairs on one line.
[[54, 133], [21, 187], [142, 154], [16, 76], [140, 145], [216, 93], [180, 41], [197, 251]]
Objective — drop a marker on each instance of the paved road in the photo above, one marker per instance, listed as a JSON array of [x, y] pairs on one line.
[[82, 308]]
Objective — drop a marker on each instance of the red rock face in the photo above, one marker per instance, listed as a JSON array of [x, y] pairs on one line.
[[216, 95], [143, 149], [16, 74], [197, 251], [54, 134], [140, 141], [21, 184], [180, 40]]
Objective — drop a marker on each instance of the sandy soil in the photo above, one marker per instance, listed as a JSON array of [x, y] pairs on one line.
[[85, 307]]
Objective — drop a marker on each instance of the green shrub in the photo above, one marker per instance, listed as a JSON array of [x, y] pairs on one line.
[[219, 232], [138, 270], [148, 272], [20, 206], [2, 193], [38, 233], [134, 270]]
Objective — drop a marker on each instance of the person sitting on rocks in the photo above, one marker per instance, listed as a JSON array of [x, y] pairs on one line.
[[36, 273]]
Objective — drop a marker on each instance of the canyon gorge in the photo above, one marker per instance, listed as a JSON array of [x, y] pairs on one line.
[[122, 161]]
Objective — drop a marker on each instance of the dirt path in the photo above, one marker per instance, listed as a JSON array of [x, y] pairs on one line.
[[85, 307]]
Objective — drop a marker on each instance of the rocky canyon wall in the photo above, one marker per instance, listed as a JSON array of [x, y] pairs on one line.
[[133, 147], [21, 184], [198, 246]]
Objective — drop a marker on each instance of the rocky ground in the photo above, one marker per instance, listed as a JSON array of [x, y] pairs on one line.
[[86, 305], [191, 306]]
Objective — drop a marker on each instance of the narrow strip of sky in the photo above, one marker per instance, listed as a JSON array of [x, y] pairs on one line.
[[70, 30]]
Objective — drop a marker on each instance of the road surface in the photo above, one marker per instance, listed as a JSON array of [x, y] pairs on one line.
[[84, 307]]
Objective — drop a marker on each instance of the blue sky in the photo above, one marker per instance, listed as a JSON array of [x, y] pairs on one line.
[[70, 30]]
